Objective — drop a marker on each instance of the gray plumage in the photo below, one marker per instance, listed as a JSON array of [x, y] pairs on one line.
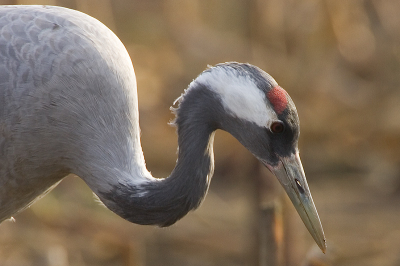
[[64, 103], [68, 104]]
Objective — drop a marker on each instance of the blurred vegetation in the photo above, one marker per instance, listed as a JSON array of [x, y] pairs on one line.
[[339, 61]]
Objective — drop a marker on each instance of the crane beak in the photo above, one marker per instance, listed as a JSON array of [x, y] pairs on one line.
[[290, 174]]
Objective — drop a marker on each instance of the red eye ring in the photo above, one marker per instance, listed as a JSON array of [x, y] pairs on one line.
[[277, 127]]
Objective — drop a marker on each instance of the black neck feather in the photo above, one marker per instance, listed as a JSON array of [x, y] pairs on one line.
[[165, 201]]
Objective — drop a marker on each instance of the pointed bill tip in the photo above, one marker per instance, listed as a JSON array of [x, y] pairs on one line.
[[322, 245], [323, 249]]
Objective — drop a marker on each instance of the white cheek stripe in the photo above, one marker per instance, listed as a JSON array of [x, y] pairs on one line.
[[240, 96]]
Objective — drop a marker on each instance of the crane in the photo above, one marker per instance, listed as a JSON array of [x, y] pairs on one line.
[[68, 104]]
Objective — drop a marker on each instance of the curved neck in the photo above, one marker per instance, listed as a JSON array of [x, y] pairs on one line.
[[164, 201]]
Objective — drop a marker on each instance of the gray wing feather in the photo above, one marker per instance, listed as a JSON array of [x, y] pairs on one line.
[[57, 67]]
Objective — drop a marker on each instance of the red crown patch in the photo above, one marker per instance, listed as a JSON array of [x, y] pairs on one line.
[[277, 97]]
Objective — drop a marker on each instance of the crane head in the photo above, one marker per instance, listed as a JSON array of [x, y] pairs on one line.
[[263, 117]]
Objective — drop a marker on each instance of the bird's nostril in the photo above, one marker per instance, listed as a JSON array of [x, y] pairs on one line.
[[299, 187]]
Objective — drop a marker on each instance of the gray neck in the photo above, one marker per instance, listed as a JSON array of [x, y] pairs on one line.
[[165, 201]]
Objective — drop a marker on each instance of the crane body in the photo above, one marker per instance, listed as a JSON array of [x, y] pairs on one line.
[[54, 64]]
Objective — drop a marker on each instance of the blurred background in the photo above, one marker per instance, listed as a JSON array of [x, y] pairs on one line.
[[339, 61]]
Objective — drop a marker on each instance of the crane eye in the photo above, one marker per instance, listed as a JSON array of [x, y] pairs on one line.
[[277, 127]]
